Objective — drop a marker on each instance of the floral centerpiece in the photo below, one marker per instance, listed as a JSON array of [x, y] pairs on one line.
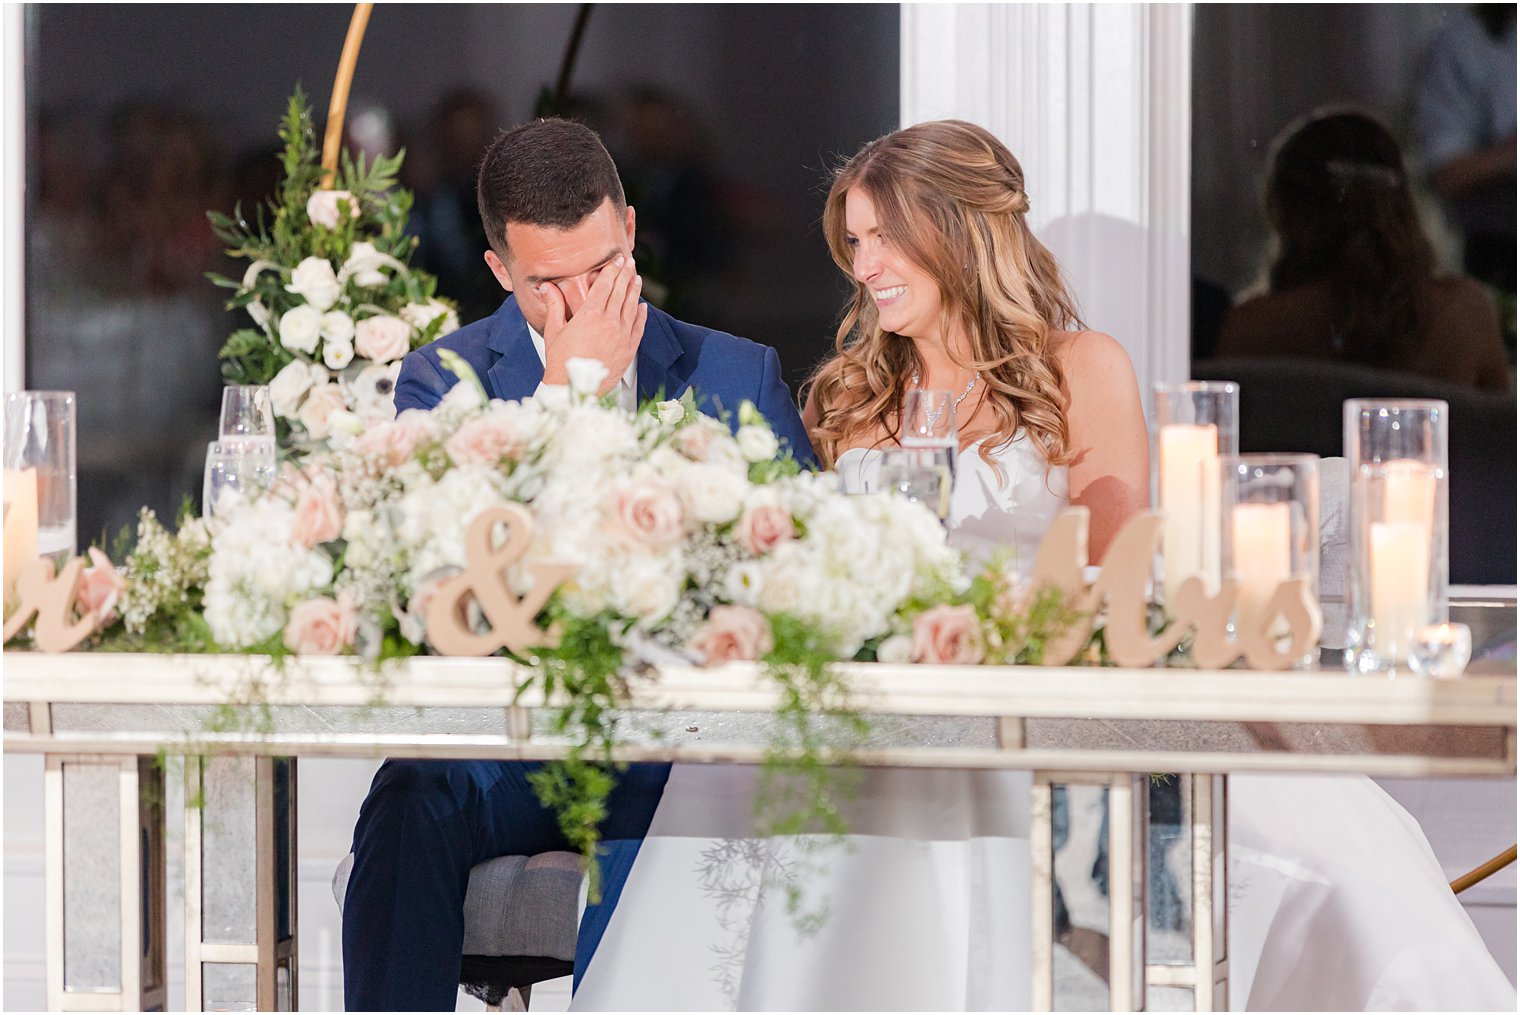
[[690, 543], [333, 304]]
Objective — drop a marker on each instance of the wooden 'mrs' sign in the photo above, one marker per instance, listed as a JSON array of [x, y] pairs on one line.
[[484, 579], [52, 600], [1126, 570]]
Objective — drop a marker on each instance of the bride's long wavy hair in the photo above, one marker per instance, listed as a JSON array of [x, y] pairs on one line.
[[949, 196]]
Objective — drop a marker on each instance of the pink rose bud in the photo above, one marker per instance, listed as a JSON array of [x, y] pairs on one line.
[[100, 587], [322, 626], [948, 635], [731, 634]]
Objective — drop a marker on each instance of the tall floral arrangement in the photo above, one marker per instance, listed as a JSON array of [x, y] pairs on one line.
[[332, 302]]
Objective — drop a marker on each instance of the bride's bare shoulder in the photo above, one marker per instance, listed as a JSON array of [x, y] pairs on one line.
[[1094, 363]]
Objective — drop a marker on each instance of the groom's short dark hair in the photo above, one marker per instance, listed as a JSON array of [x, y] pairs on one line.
[[544, 173]]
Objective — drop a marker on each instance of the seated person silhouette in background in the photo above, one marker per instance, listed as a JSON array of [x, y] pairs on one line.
[[1353, 277], [1465, 121]]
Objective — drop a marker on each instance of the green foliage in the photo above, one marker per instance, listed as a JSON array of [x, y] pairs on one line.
[[280, 234], [806, 771], [579, 679]]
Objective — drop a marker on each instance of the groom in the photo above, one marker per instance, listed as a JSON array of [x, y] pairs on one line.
[[561, 236]]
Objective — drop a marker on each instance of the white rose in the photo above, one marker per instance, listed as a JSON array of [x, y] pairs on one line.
[[344, 421], [670, 412], [363, 266], [648, 588], [337, 327], [420, 315], [315, 281], [322, 207], [290, 386], [337, 355], [757, 443], [897, 650], [586, 375], [713, 495], [317, 410], [300, 328], [383, 338]]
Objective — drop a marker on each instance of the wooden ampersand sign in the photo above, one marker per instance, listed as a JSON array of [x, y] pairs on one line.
[[1121, 584], [52, 600], [484, 579]]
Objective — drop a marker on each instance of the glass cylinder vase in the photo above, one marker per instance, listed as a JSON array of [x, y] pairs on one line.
[[1194, 426], [1397, 545], [1271, 534], [40, 486]]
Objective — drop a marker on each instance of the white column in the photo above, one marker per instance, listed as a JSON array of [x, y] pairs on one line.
[[13, 193], [1094, 100]]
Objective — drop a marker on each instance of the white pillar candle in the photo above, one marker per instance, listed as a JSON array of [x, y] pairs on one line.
[[20, 524], [1409, 493], [1263, 557], [1189, 464], [1400, 581]]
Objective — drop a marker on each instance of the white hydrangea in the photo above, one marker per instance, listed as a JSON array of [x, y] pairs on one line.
[[258, 572]]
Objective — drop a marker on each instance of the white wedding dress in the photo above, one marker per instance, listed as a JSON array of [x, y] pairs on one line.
[[1336, 901]]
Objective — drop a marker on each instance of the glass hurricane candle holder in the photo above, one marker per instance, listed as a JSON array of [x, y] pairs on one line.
[[1397, 548], [1270, 519], [40, 486], [1194, 426]]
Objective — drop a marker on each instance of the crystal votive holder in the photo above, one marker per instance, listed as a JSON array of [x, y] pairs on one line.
[[1441, 651]]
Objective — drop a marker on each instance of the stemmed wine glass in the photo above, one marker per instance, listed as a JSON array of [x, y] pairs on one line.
[[241, 462]]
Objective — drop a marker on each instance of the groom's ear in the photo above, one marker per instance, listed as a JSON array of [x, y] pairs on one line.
[[500, 270], [628, 223]]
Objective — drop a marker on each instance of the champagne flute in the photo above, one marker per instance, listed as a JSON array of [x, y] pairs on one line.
[[247, 415], [929, 419]]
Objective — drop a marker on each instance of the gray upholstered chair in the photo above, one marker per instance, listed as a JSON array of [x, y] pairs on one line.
[[521, 916]]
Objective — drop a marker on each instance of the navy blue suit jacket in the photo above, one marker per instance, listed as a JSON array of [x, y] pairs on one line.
[[673, 356]]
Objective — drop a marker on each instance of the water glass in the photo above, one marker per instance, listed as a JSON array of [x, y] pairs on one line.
[[919, 474], [40, 485], [247, 414], [235, 470]]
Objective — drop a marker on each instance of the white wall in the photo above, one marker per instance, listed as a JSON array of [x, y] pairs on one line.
[[1094, 101]]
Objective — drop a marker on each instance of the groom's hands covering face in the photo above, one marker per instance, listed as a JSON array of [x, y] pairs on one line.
[[607, 326]]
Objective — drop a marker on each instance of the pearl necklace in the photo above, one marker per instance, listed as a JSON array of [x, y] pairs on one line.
[[933, 415]]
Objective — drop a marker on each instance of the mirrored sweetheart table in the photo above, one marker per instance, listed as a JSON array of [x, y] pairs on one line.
[[234, 726]]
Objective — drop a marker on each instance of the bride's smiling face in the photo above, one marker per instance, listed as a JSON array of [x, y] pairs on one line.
[[908, 300]]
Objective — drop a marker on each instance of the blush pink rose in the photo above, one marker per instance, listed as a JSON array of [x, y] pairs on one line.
[[100, 587], [484, 441], [763, 527], [322, 626], [319, 512], [731, 634], [382, 338], [391, 443], [646, 516], [948, 635], [695, 442]]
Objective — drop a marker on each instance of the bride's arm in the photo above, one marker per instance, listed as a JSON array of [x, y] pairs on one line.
[[1110, 475]]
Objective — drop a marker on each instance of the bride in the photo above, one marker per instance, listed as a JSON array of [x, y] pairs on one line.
[[1336, 899]]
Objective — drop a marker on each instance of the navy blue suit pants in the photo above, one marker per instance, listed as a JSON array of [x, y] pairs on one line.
[[421, 829]]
